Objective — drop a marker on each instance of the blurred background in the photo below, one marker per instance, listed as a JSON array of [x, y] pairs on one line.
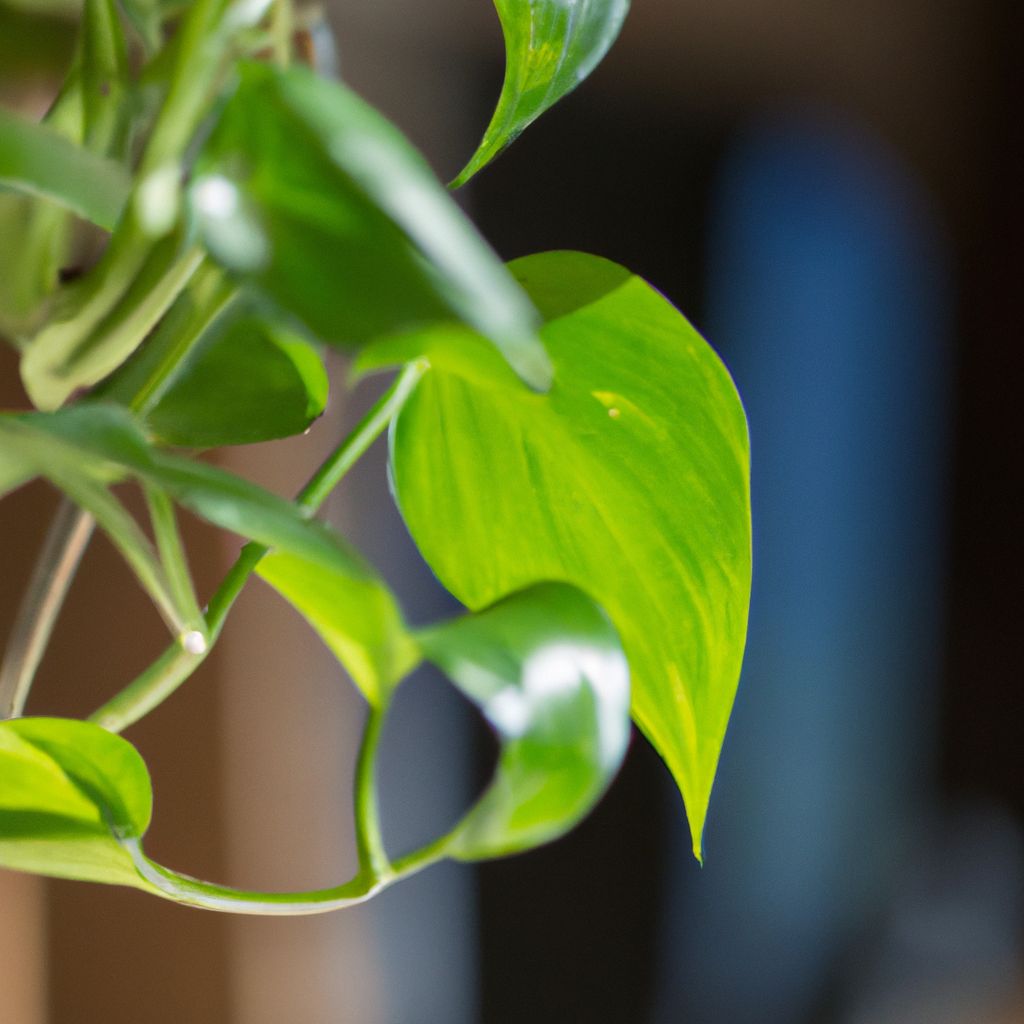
[[832, 193]]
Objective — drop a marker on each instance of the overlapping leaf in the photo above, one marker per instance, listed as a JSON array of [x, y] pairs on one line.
[[546, 669], [629, 479], [550, 47], [325, 205], [69, 792], [257, 380], [247, 374]]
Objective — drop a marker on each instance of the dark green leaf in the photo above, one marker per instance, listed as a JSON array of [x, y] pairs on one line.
[[329, 209], [629, 479], [250, 377], [550, 47], [35, 159], [546, 669], [69, 792]]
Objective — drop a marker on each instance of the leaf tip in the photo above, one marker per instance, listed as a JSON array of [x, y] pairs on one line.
[[533, 366], [698, 847]]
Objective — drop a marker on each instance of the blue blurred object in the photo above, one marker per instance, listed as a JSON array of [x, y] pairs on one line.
[[830, 299]]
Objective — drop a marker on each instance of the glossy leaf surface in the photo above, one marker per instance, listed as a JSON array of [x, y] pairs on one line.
[[550, 47], [324, 204], [37, 160], [629, 479], [68, 791], [546, 669]]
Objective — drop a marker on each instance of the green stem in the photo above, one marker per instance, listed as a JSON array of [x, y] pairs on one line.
[[198, 62], [133, 544], [175, 665], [149, 689], [105, 317], [65, 543], [282, 25], [209, 896], [72, 528], [370, 427], [373, 857], [175, 563]]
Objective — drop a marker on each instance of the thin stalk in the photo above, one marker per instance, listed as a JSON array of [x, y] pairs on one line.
[[66, 541], [72, 528], [373, 857], [282, 26], [133, 544], [198, 61], [174, 666], [209, 896], [150, 689], [147, 298], [370, 427], [175, 562]]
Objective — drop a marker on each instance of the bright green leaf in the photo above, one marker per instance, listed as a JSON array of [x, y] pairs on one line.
[[36, 160], [324, 204], [546, 669], [629, 479], [550, 47], [69, 792]]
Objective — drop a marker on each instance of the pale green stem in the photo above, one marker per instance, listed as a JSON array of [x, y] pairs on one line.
[[199, 54], [65, 543], [175, 563], [282, 25], [175, 665], [72, 529], [373, 857], [133, 544], [209, 896]]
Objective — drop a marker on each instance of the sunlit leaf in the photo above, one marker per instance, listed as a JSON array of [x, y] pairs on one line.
[[547, 671], [550, 47], [629, 479], [69, 792], [322, 202]]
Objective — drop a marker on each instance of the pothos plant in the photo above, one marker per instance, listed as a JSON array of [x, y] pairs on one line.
[[568, 454]]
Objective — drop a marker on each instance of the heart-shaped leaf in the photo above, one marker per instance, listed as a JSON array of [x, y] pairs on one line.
[[69, 793], [629, 479], [546, 669], [330, 211], [550, 47]]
